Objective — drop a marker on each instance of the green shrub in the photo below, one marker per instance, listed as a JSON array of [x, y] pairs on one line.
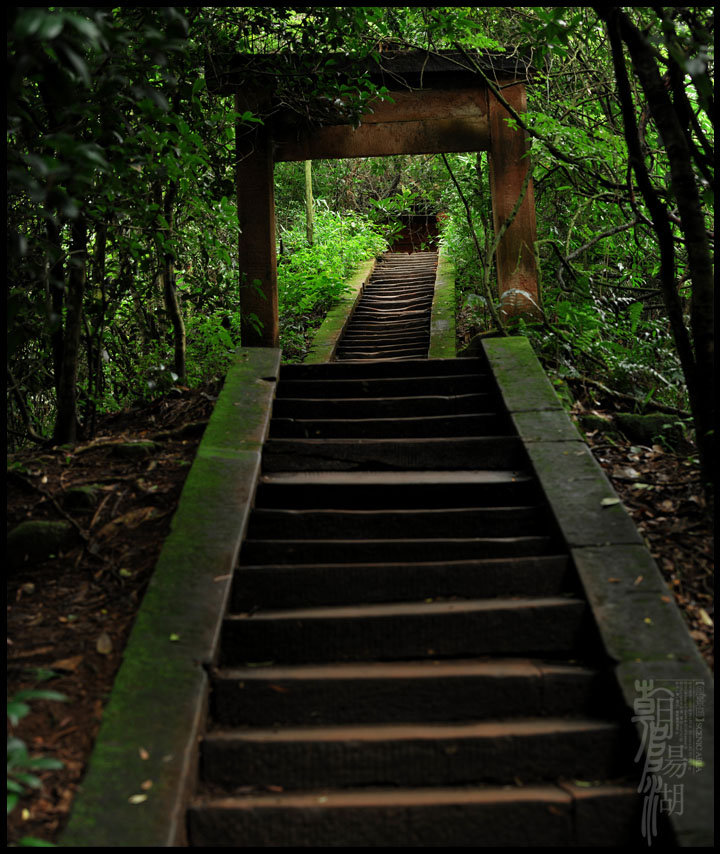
[[311, 278], [21, 767]]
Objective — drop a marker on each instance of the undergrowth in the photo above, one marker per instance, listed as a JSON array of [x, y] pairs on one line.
[[310, 278]]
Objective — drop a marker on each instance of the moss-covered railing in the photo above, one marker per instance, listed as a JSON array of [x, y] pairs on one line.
[[642, 629], [156, 711]]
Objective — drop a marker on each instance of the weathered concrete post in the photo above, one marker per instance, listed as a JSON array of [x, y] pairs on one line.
[[515, 257], [256, 252]]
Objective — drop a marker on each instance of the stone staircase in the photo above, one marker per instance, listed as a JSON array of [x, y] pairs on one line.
[[407, 659], [392, 320]]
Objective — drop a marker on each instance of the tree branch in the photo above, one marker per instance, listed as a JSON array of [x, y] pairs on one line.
[[483, 260]]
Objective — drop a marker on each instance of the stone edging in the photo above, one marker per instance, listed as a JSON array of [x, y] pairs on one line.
[[642, 629], [442, 318], [158, 701], [328, 335]]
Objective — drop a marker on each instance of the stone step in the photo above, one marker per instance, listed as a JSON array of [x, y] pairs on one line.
[[389, 317], [389, 322], [458, 453], [389, 490], [521, 816], [390, 386], [550, 626], [395, 408], [488, 752], [399, 359], [411, 303], [380, 369], [366, 338], [455, 522], [272, 551], [370, 338], [484, 424], [268, 694], [372, 334], [294, 585], [391, 351]]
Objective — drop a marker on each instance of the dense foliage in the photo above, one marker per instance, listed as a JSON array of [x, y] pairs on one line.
[[122, 266]]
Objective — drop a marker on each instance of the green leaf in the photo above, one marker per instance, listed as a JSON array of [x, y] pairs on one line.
[[16, 711], [76, 62], [45, 762], [12, 801], [40, 694]]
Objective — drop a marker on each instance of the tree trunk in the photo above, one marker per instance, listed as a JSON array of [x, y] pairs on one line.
[[309, 209], [698, 366], [95, 330], [66, 421], [172, 304], [55, 294]]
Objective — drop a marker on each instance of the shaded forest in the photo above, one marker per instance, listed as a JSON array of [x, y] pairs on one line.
[[122, 275], [122, 227]]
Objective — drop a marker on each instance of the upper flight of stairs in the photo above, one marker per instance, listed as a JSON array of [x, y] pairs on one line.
[[407, 659], [392, 320]]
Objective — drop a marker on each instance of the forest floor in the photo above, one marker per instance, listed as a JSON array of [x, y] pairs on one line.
[[69, 616]]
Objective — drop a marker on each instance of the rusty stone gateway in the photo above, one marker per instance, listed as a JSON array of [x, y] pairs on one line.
[[441, 102]]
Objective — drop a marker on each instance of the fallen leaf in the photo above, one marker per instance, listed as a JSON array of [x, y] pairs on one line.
[[30, 653], [137, 799], [70, 664], [614, 580], [638, 580], [705, 617], [648, 621], [143, 753], [104, 644], [147, 784], [608, 502]]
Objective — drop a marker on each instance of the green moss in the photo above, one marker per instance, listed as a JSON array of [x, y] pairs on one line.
[[135, 450], [442, 319], [172, 641], [36, 540], [648, 429]]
